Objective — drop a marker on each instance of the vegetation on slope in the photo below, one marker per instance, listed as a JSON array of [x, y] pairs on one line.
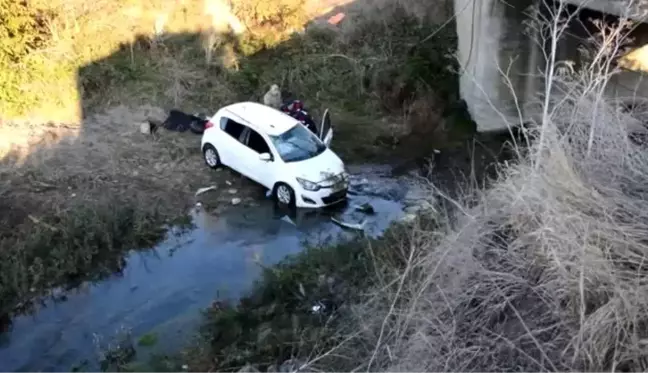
[[544, 271], [385, 81]]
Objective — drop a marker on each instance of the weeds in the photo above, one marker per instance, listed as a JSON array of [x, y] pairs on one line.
[[87, 243], [367, 70], [543, 271], [298, 309]]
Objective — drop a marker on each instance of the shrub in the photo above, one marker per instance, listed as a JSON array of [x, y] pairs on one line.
[[22, 30]]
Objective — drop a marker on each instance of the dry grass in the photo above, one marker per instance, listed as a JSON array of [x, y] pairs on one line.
[[109, 156], [546, 270]]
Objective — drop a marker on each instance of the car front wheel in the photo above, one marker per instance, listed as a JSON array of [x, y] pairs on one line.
[[212, 159], [284, 195]]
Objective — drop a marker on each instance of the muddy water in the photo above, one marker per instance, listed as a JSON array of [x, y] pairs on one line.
[[163, 290]]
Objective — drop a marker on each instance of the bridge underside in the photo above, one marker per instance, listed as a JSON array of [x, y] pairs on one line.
[[503, 60]]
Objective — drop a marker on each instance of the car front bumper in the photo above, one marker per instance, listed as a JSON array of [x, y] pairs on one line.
[[321, 198]]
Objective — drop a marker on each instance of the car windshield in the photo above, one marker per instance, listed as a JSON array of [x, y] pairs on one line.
[[298, 144]]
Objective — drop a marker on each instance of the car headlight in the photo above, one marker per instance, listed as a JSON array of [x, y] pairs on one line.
[[308, 185]]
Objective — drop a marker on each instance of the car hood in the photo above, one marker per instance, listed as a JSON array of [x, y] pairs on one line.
[[320, 168]]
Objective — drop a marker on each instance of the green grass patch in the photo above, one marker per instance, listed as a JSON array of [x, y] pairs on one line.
[[147, 340], [86, 243]]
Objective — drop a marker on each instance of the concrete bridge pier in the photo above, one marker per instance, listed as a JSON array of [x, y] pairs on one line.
[[502, 59], [496, 56]]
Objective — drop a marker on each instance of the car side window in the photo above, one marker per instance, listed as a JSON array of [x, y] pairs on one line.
[[232, 127], [256, 142]]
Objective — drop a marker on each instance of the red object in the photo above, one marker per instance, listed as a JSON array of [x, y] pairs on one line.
[[209, 124], [336, 19]]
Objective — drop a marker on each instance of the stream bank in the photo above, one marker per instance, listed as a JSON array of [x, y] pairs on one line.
[[162, 291]]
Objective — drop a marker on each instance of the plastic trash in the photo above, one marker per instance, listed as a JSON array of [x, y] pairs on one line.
[[287, 219], [206, 189]]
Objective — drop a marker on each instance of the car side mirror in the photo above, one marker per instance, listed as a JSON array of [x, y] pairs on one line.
[[266, 157]]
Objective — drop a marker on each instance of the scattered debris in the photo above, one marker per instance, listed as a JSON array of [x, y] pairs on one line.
[[408, 218], [287, 219], [45, 186], [365, 208], [336, 19], [228, 182], [323, 306], [357, 226], [232, 191], [437, 156], [185, 367], [248, 369], [35, 220], [145, 128], [236, 201], [204, 190]]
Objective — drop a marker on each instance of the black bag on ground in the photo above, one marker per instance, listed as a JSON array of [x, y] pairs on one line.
[[180, 122]]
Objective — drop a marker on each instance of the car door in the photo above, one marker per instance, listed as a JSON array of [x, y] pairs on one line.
[[326, 129], [230, 142], [261, 171]]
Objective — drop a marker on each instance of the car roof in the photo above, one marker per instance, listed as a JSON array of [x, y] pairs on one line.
[[262, 118]]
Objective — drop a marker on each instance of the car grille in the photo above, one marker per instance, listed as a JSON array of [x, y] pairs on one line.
[[335, 197]]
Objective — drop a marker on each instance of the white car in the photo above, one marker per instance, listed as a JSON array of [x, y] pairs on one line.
[[278, 152]]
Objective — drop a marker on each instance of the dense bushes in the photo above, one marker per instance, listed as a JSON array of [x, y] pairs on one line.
[[23, 30]]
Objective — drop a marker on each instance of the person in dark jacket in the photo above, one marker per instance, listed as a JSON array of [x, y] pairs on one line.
[[295, 109]]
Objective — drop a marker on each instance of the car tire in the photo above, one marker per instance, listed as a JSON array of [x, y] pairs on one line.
[[211, 157], [284, 195]]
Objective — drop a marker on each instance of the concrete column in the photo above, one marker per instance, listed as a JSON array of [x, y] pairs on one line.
[[491, 42]]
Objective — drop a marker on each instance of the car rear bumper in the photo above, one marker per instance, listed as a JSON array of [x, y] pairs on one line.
[[322, 198]]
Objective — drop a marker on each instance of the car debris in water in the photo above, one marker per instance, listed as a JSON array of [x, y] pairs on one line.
[[365, 208], [356, 226], [287, 219]]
